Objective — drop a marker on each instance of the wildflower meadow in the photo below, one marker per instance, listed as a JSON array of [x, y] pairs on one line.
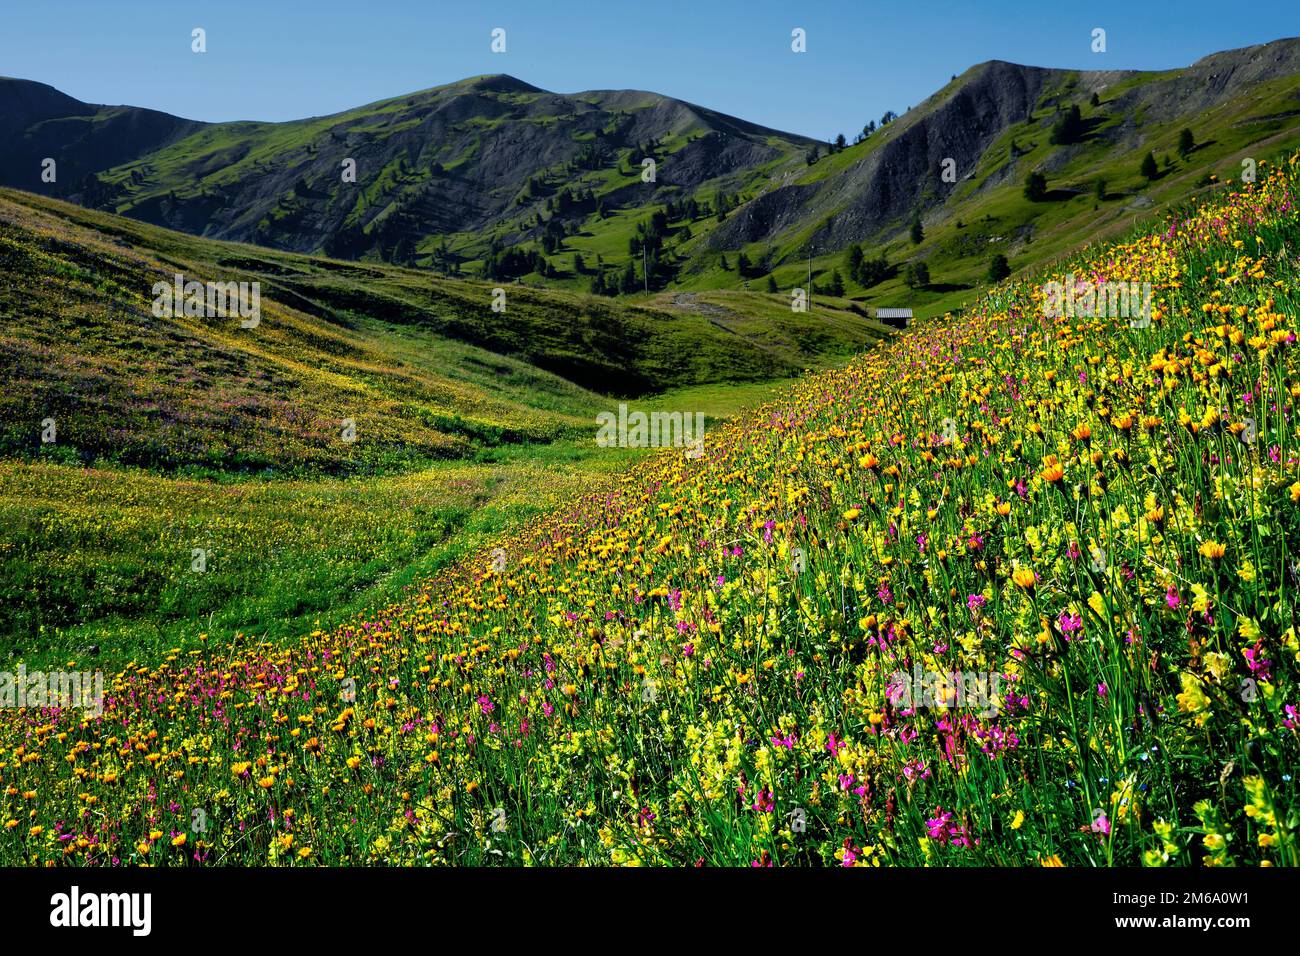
[[1071, 537]]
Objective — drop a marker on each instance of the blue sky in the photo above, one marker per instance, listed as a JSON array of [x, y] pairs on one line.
[[286, 59]]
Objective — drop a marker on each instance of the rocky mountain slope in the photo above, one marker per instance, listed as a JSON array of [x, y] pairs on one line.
[[451, 159], [966, 119]]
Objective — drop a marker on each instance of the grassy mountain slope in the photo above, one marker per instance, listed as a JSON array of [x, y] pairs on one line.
[[176, 434], [38, 122], [424, 366], [464, 157], [703, 662]]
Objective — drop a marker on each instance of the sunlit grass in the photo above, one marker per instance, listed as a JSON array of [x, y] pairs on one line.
[[694, 662]]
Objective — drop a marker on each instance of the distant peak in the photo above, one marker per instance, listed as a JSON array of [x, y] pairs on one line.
[[502, 83]]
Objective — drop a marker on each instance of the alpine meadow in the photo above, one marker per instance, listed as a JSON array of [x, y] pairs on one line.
[[487, 476]]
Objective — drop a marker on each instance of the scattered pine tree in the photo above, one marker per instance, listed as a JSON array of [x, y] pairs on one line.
[[1036, 187], [1149, 169], [999, 268]]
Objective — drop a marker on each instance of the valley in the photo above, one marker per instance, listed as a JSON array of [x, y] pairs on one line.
[[492, 476]]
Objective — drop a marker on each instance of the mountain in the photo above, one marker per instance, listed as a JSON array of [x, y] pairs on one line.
[[882, 185], [453, 159], [39, 122], [494, 177]]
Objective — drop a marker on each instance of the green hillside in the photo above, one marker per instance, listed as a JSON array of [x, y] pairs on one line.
[[374, 424]]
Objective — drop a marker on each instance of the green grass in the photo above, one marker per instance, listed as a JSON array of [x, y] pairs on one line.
[[105, 557], [183, 434], [424, 365], [675, 667]]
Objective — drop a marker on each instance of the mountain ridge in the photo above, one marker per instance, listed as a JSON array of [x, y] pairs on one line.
[[492, 176]]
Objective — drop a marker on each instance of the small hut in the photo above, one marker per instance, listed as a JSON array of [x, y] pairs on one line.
[[898, 318]]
